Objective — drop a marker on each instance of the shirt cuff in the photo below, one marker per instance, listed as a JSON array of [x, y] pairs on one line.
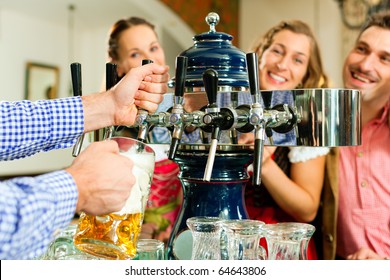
[[62, 185]]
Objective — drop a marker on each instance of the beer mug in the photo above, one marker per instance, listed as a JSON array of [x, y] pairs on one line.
[[114, 236]]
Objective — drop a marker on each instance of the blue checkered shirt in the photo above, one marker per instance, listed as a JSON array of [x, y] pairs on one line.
[[32, 209]]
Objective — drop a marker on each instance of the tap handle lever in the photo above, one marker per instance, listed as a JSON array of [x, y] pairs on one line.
[[180, 75], [111, 75], [258, 153], [253, 75], [75, 70], [111, 80], [142, 115], [177, 111], [210, 80]]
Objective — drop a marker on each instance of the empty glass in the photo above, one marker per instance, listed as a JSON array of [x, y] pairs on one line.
[[288, 241], [206, 234], [150, 249], [243, 237], [62, 247], [114, 236]]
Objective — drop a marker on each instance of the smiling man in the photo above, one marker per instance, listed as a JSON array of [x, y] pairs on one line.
[[358, 182]]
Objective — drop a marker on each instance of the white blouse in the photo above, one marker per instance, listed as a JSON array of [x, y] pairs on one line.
[[301, 154]]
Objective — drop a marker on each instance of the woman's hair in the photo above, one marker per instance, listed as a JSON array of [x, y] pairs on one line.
[[315, 76], [116, 30]]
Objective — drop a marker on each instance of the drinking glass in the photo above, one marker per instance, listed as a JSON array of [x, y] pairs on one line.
[[288, 241], [114, 236], [63, 248], [243, 238], [150, 249], [206, 234]]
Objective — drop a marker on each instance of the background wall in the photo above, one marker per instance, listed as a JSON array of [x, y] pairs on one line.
[[40, 31]]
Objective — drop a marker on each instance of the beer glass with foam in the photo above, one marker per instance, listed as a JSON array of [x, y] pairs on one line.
[[114, 236]]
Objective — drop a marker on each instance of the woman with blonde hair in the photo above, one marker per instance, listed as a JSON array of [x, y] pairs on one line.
[[292, 178]]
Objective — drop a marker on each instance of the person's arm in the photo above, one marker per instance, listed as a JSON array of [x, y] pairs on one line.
[[297, 194], [32, 210], [29, 127]]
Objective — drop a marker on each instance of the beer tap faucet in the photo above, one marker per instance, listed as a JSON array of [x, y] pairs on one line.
[[176, 117], [256, 116], [75, 69], [111, 80], [212, 118], [142, 116]]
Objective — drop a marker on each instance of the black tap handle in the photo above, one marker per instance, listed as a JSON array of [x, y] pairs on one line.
[[75, 69], [180, 75], [146, 61], [257, 162], [210, 80], [173, 148], [253, 72], [111, 75]]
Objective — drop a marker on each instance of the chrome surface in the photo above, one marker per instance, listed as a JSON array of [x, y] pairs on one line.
[[326, 117]]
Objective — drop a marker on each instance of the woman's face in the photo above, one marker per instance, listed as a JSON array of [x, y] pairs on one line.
[[135, 44], [284, 64]]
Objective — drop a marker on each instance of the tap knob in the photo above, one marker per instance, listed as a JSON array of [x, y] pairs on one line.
[[256, 116], [142, 116], [75, 69], [252, 65], [111, 80], [177, 110], [210, 80], [111, 75]]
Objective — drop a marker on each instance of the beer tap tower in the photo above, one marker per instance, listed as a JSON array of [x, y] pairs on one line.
[[214, 173]]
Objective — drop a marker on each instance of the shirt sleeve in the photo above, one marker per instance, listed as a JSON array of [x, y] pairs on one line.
[[27, 127], [32, 209], [302, 154]]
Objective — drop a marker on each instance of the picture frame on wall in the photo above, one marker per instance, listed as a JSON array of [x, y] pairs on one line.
[[42, 81]]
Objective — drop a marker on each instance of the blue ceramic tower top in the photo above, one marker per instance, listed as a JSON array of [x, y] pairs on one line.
[[214, 50]]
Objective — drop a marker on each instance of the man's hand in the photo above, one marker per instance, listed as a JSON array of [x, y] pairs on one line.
[[104, 178]]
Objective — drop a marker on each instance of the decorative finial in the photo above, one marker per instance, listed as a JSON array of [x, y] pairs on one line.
[[212, 19]]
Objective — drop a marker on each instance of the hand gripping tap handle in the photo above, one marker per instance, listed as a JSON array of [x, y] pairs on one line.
[[111, 80], [256, 116], [142, 115], [75, 69], [177, 111], [210, 80]]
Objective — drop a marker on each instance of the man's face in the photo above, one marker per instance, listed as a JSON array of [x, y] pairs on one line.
[[368, 63]]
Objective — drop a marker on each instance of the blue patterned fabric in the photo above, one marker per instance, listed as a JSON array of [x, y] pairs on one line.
[[32, 209]]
